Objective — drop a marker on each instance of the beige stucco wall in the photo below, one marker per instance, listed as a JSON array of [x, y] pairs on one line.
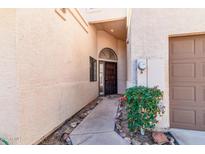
[[9, 107], [51, 56], [45, 70], [105, 40], [121, 66], [150, 30]]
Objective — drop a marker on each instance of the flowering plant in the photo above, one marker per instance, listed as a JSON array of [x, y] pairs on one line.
[[123, 99], [143, 106]]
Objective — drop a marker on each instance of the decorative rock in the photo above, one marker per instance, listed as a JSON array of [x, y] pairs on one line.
[[120, 108], [118, 115], [131, 134], [68, 130], [135, 142], [73, 124], [92, 107], [88, 112], [69, 125], [135, 138], [159, 137], [68, 141], [128, 140], [171, 140], [57, 133], [122, 134], [121, 104], [120, 130], [66, 138], [118, 126], [82, 115]]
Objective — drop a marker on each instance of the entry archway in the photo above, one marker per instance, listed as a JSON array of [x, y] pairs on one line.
[[108, 54], [107, 72]]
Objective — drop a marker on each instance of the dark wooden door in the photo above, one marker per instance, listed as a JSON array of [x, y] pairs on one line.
[[110, 78]]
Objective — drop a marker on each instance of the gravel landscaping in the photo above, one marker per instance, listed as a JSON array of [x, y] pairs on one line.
[[61, 135], [135, 138]]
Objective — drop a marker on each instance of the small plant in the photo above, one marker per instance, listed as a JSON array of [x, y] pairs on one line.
[[4, 141], [143, 106]]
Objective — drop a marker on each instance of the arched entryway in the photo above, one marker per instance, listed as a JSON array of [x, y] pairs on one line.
[[107, 72]]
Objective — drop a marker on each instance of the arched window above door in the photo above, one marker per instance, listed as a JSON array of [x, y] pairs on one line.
[[108, 53]]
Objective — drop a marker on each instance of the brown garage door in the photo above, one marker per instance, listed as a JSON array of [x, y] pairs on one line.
[[187, 82]]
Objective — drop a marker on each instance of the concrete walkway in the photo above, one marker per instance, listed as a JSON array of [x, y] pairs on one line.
[[188, 137], [98, 127]]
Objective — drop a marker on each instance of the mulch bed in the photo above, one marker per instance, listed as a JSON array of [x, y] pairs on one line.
[[56, 137], [135, 138]]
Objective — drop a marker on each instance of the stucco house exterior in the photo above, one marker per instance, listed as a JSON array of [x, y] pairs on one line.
[[55, 61]]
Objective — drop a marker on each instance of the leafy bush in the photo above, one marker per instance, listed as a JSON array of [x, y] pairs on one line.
[[142, 104], [3, 141]]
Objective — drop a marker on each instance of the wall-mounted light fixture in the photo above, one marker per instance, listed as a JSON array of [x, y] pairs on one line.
[[112, 30]]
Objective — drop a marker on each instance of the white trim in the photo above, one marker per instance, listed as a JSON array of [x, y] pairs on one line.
[[78, 17], [100, 59], [107, 20], [83, 18], [91, 10], [186, 34]]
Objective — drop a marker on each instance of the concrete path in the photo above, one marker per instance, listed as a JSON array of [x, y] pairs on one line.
[[98, 127], [188, 137]]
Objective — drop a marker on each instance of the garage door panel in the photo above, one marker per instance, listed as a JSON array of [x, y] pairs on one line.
[[183, 70], [184, 116], [187, 47], [177, 103], [203, 70], [187, 93], [184, 126], [201, 119], [200, 46], [182, 47], [187, 82], [201, 95], [188, 90]]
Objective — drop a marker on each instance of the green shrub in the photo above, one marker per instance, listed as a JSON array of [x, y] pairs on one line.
[[142, 104], [4, 141]]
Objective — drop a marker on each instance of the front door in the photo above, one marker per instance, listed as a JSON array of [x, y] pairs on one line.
[[110, 78]]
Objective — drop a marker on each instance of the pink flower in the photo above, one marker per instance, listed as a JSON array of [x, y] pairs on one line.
[[123, 98]]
